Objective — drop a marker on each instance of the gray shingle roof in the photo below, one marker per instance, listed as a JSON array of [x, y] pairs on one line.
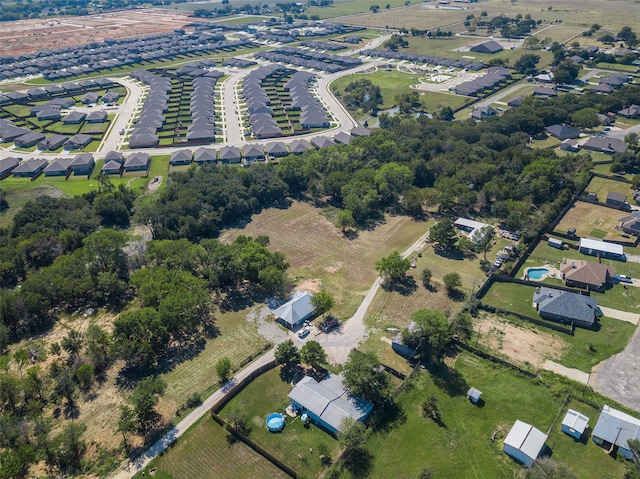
[[571, 306]]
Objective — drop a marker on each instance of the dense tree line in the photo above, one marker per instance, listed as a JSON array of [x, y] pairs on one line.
[[407, 166]]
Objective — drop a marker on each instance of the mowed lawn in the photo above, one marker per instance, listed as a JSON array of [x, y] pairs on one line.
[[545, 253], [462, 448], [238, 340], [603, 186], [592, 221], [316, 249], [585, 348], [296, 445], [20, 190], [394, 83], [204, 453]]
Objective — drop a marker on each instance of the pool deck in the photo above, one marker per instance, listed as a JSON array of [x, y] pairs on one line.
[[553, 273]]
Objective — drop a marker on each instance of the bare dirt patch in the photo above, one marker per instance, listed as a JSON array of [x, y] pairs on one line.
[[311, 285], [27, 36], [518, 344]]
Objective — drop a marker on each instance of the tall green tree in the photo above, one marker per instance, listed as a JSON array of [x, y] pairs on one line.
[[322, 302], [393, 268], [452, 281], [432, 332], [443, 234], [224, 367], [287, 353], [527, 63], [145, 398], [313, 354], [364, 376]]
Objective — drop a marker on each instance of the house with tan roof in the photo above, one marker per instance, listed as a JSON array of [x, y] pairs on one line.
[[586, 274]]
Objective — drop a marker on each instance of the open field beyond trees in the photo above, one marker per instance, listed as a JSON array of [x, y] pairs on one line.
[[317, 249], [565, 15]]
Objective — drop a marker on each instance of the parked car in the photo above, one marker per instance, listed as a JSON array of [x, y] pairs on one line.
[[329, 325], [303, 333], [622, 278]]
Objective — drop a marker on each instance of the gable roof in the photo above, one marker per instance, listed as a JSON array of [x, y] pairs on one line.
[[617, 197], [600, 245], [296, 310], [277, 148], [575, 420], [74, 116], [605, 144], [229, 153], [616, 427], [8, 164], [114, 156], [526, 438], [181, 155], [329, 400], [342, 137], [571, 306], [587, 272], [30, 166]]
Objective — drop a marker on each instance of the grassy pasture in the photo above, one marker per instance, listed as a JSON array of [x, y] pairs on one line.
[[238, 340], [394, 83], [204, 453], [567, 15], [317, 249], [354, 7], [592, 221], [612, 337], [267, 394], [462, 447]]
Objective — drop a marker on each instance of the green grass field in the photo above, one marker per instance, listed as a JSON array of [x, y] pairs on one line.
[[204, 453], [462, 448], [612, 337], [351, 7], [267, 394], [238, 340], [603, 186], [394, 83], [593, 221], [343, 266]]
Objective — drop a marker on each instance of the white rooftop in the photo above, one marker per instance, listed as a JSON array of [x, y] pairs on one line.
[[526, 438], [575, 420], [600, 245]]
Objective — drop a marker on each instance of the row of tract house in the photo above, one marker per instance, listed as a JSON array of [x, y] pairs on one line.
[[255, 152], [309, 59], [81, 164], [59, 63]]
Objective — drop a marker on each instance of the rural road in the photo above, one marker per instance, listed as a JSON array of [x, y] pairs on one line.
[[337, 344], [129, 469]]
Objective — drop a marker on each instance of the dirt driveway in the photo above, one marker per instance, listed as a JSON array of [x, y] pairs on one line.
[[619, 376]]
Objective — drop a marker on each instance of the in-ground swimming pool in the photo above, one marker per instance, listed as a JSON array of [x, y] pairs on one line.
[[537, 273]]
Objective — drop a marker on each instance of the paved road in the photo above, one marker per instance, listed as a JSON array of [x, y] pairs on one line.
[[125, 114], [619, 376], [131, 468]]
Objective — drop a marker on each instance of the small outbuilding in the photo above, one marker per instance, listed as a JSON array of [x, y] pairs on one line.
[[555, 243], [474, 395], [524, 443], [574, 424]]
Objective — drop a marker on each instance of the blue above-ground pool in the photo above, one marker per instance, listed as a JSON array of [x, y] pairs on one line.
[[537, 273], [275, 422]]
